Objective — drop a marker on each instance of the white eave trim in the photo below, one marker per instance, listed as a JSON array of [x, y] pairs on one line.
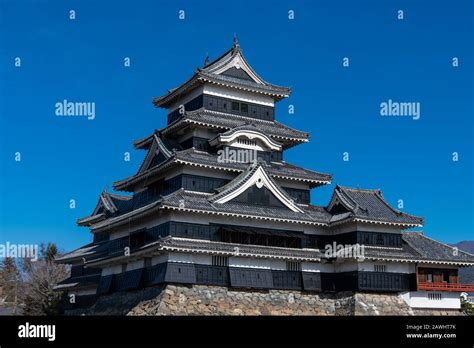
[[249, 134]]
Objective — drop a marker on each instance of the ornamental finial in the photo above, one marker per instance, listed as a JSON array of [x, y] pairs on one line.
[[236, 41], [206, 60]]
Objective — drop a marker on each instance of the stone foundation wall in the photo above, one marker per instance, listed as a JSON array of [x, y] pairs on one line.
[[215, 300]]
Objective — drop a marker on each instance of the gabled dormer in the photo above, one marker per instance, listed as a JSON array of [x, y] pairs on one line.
[[158, 152], [109, 204], [255, 187], [367, 206]]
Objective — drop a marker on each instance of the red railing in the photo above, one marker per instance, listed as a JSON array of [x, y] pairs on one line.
[[446, 287]]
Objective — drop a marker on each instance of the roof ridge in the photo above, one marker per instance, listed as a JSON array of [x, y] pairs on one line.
[[119, 196], [446, 245], [399, 212]]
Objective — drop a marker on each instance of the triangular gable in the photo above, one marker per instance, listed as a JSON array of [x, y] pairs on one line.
[[255, 176], [238, 62], [237, 73], [157, 153], [105, 204], [340, 203], [231, 62]]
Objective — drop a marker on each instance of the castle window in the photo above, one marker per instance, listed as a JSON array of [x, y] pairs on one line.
[[435, 296], [380, 268], [293, 266], [244, 108], [220, 261], [235, 106], [247, 142]]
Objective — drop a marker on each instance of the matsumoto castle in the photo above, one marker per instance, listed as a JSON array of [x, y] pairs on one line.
[[196, 212]]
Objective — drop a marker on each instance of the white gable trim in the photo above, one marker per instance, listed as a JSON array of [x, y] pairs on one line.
[[261, 179], [156, 147], [239, 62]]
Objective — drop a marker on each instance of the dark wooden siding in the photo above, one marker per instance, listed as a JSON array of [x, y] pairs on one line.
[[250, 278], [127, 280], [212, 275], [311, 281], [384, 281], [226, 105], [196, 142], [105, 285], [290, 280], [180, 273], [383, 239], [154, 275], [368, 281], [299, 195]]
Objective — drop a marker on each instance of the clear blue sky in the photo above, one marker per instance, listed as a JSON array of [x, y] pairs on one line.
[[82, 60]]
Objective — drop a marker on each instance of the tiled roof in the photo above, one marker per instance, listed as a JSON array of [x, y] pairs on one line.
[[199, 202], [368, 205], [196, 245], [431, 249], [78, 282], [227, 121], [204, 159], [109, 204], [86, 251], [210, 73], [416, 247]]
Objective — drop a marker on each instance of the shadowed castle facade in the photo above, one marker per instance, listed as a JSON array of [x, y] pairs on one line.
[[215, 203]]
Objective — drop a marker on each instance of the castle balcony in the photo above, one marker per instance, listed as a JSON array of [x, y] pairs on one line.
[[433, 279], [442, 286]]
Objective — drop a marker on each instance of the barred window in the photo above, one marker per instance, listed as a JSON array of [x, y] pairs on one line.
[[220, 261], [247, 142], [293, 266], [435, 296], [380, 268]]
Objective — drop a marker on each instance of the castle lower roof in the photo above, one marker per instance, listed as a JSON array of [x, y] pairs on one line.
[[363, 204], [198, 158], [215, 73], [224, 122]]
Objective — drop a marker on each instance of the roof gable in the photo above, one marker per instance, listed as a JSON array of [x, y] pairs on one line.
[[367, 205], [256, 176], [237, 73], [157, 153], [233, 63]]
